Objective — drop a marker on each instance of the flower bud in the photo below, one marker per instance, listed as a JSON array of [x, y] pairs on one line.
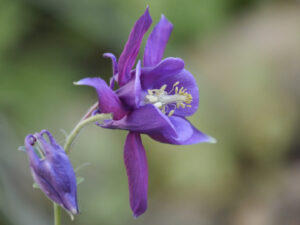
[[52, 170]]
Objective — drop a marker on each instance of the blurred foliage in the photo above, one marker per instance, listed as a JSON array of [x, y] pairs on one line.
[[245, 57]]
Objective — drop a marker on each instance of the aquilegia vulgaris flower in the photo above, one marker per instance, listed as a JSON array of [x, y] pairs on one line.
[[52, 170], [153, 99]]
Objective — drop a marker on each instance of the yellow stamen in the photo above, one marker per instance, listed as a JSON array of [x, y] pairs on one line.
[[171, 112], [176, 83], [163, 88], [176, 97]]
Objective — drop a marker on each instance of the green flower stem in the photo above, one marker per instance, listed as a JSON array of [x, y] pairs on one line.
[[87, 119], [57, 214], [72, 136]]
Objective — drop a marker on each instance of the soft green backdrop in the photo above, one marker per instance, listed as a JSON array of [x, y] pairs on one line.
[[245, 56]]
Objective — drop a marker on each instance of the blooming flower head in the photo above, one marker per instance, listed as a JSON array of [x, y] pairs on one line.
[[153, 99], [52, 170]]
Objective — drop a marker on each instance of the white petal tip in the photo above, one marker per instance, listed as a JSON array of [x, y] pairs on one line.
[[212, 140], [72, 212], [135, 216]]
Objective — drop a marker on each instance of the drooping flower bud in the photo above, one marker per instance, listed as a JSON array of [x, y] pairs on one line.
[[52, 170]]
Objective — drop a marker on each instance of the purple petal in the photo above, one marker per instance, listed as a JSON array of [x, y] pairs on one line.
[[63, 179], [137, 172], [166, 68], [132, 47], [50, 137], [130, 93], [147, 119], [46, 187], [114, 61], [187, 134], [48, 148], [29, 143], [115, 68], [57, 180], [157, 42], [109, 102]]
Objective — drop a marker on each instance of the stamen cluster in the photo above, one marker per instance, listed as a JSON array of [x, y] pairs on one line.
[[175, 97]]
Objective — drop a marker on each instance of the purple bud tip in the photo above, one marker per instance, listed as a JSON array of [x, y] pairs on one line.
[[74, 211], [30, 139], [50, 137]]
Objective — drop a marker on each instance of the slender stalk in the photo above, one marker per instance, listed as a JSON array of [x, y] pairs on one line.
[[87, 119], [90, 111], [72, 136], [57, 214]]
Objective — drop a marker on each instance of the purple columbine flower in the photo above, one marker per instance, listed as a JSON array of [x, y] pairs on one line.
[[153, 99], [53, 171]]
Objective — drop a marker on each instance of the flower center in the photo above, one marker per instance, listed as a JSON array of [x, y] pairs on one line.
[[175, 98]]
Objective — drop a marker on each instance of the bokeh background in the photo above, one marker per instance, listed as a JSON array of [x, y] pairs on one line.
[[245, 55]]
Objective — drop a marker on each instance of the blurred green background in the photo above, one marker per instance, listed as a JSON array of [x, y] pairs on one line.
[[245, 56]]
